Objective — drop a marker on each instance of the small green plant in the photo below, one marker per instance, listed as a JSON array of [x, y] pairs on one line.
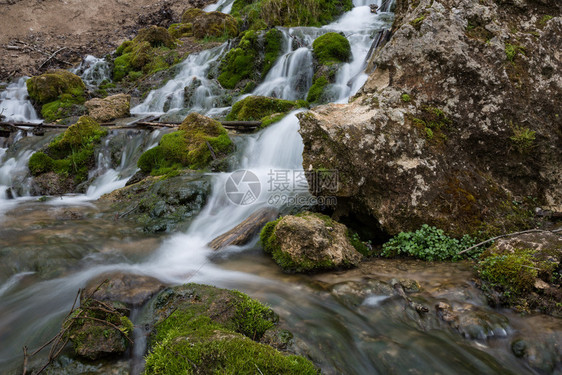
[[428, 243], [406, 98], [363, 247], [418, 22], [512, 50], [523, 139], [545, 20]]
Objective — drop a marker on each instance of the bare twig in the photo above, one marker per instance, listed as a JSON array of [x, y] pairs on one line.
[[507, 235], [52, 56], [24, 360]]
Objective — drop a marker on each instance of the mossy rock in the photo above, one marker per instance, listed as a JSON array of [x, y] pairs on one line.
[[316, 91], [58, 92], [217, 330], [240, 62], [150, 51], [181, 30], [262, 14], [524, 272], [156, 36], [210, 24], [50, 86], [309, 242], [273, 40], [262, 108], [71, 154], [331, 48], [198, 141]]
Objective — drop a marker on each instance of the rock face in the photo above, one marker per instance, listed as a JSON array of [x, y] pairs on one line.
[[309, 242], [110, 108], [460, 118]]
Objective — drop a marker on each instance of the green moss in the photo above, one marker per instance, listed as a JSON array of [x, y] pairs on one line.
[[181, 30], [331, 48], [512, 50], [513, 274], [362, 247], [146, 54], [71, 153], [198, 345], [189, 147], [523, 139], [316, 91], [416, 23], [267, 236], [273, 48], [50, 86], [261, 108], [239, 63], [406, 98], [263, 14], [210, 24], [544, 20]]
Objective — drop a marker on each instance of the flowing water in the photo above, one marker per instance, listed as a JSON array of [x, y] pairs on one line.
[[15, 104], [50, 249]]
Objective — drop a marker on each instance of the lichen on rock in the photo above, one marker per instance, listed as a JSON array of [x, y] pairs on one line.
[[109, 108]]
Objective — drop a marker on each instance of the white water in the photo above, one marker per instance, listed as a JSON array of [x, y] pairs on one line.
[[15, 104], [184, 256], [93, 71], [204, 93]]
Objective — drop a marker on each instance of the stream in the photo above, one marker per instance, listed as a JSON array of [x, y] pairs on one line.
[[347, 322]]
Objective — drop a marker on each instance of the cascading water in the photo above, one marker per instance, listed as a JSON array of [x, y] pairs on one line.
[[190, 89], [93, 71], [346, 340], [15, 105]]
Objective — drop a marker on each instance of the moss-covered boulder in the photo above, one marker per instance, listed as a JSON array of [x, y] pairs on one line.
[[263, 108], [216, 330], [71, 154], [262, 14], [199, 141], [524, 272], [152, 50], [210, 24], [157, 205], [244, 66], [57, 92], [329, 50], [110, 108], [309, 242]]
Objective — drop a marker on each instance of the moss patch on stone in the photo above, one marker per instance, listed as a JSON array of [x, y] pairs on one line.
[[203, 329], [209, 24], [273, 40], [150, 51], [266, 109], [57, 91], [71, 154], [331, 48], [239, 63], [198, 141]]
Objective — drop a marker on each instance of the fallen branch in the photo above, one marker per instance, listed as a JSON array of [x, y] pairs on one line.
[[52, 56], [507, 235]]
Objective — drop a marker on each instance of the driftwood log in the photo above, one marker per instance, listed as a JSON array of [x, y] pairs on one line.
[[245, 231]]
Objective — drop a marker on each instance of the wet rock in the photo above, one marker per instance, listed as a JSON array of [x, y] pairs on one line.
[[416, 147], [309, 242], [132, 290], [543, 352], [107, 109], [66, 365], [158, 205], [473, 322], [245, 231]]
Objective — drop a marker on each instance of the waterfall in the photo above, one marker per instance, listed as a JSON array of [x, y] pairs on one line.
[[93, 71], [15, 104], [190, 89]]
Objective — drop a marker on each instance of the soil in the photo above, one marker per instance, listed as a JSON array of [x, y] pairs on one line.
[[31, 31]]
